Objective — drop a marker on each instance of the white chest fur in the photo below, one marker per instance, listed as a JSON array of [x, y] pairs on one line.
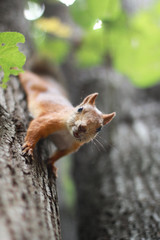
[[62, 139]]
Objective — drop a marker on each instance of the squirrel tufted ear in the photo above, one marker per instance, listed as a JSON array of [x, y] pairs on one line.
[[108, 117], [90, 99]]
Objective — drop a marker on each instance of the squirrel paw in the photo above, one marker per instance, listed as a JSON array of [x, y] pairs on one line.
[[27, 149]]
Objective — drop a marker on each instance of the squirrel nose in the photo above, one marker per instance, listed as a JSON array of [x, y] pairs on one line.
[[82, 128]]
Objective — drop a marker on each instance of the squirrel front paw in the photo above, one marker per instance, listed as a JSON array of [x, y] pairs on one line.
[[27, 149]]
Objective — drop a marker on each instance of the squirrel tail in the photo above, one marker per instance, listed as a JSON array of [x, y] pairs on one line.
[[38, 67], [44, 67], [31, 82]]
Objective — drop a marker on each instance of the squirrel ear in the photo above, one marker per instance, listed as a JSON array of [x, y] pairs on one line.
[[90, 99], [108, 117]]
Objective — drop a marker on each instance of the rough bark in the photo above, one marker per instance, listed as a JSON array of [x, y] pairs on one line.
[[118, 184], [28, 197]]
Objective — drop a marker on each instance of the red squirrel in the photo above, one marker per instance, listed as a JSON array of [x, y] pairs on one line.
[[53, 113]]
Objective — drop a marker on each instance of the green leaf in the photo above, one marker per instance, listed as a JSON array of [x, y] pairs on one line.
[[11, 59]]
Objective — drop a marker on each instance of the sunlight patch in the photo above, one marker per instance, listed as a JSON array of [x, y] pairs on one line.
[[97, 25], [33, 10], [67, 2]]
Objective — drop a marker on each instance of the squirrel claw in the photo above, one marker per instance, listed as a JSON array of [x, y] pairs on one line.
[[26, 149], [30, 152], [23, 153], [25, 145]]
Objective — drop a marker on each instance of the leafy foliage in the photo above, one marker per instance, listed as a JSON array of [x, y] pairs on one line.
[[11, 59], [52, 35], [55, 50], [131, 41], [135, 48], [85, 12], [92, 50], [53, 25]]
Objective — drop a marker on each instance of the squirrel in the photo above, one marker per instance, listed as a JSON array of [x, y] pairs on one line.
[[54, 114]]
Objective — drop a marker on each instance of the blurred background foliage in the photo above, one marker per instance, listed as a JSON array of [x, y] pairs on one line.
[[130, 42]]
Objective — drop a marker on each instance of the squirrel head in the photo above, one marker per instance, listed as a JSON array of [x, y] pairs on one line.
[[86, 120]]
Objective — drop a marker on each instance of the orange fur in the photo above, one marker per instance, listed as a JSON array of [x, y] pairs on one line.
[[70, 126]]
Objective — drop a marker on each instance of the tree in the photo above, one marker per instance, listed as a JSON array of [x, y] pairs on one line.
[[118, 183], [28, 197]]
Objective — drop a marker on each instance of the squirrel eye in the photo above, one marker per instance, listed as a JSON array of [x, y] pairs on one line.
[[80, 109], [98, 129]]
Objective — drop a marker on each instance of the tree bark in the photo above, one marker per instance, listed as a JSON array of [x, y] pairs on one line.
[[117, 184], [28, 196]]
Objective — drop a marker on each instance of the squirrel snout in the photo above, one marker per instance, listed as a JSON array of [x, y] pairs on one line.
[[82, 128]]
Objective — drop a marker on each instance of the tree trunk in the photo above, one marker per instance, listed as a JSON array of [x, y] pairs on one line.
[[28, 197], [118, 183]]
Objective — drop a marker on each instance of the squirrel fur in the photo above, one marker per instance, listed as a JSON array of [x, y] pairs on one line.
[[53, 113]]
